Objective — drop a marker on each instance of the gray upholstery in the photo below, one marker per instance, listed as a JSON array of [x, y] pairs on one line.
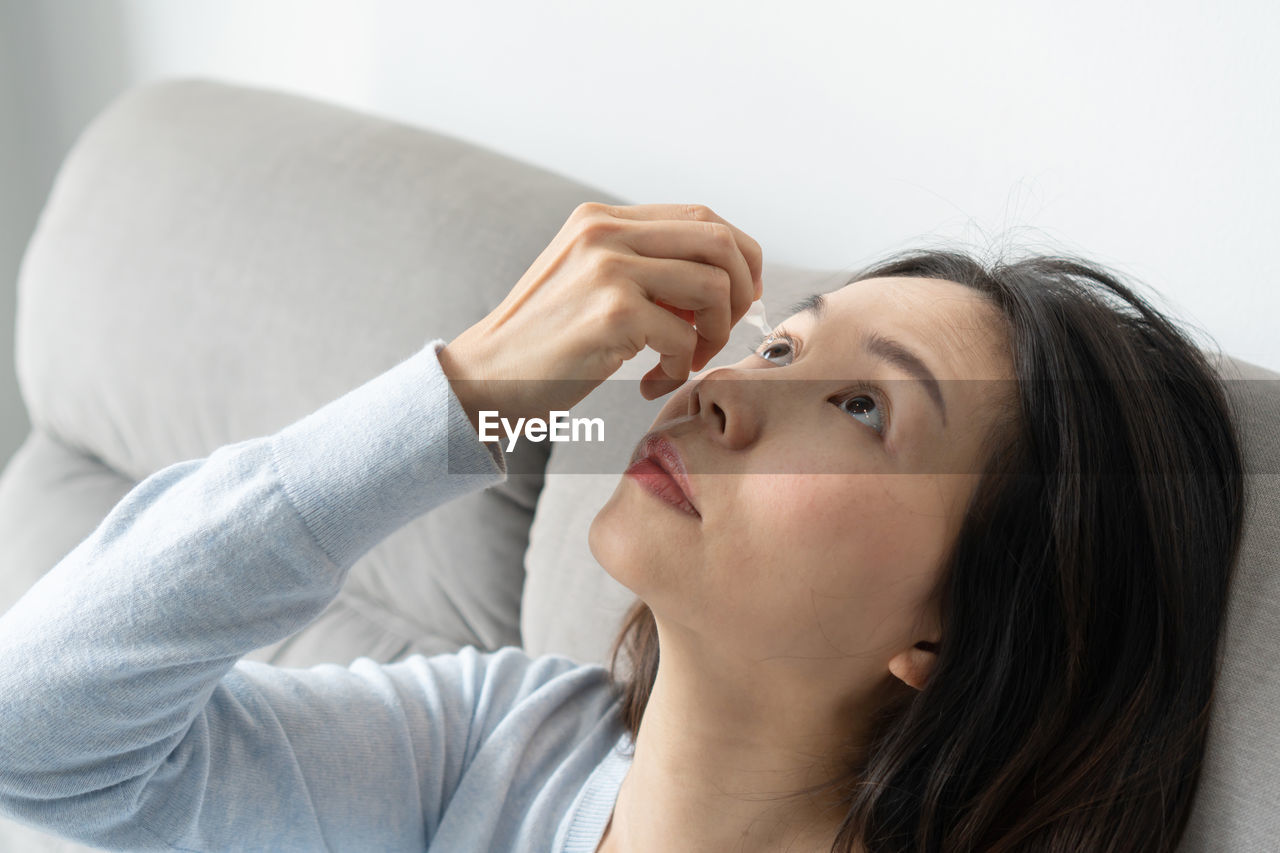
[[215, 262]]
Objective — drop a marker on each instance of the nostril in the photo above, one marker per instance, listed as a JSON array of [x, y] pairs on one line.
[[695, 408]]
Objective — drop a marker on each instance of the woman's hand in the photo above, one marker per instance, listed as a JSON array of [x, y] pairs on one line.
[[613, 281]]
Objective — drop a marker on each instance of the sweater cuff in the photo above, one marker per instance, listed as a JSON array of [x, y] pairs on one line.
[[364, 465]]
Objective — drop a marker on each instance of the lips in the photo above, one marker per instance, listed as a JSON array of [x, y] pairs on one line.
[[656, 449]]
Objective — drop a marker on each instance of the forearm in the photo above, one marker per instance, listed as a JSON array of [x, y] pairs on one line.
[[105, 663]]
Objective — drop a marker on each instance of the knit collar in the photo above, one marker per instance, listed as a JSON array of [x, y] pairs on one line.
[[583, 826]]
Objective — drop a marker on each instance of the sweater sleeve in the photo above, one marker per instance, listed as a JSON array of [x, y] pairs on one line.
[[126, 720]]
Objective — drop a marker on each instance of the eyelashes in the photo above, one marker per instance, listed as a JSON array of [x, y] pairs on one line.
[[761, 340], [861, 389]]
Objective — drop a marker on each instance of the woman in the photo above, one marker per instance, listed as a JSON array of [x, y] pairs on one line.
[[1000, 635]]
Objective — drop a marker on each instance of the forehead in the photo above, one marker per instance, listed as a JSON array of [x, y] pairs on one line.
[[954, 329]]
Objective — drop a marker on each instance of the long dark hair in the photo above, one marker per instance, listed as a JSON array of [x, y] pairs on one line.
[[1082, 600]]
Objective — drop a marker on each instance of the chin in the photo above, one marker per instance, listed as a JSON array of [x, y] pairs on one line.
[[612, 539], [602, 539]]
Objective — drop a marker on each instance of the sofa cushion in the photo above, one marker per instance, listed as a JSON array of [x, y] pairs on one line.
[[215, 262]]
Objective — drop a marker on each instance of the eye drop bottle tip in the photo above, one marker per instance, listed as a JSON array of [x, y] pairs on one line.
[[756, 317]]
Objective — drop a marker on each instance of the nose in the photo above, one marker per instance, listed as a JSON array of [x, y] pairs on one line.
[[728, 406]]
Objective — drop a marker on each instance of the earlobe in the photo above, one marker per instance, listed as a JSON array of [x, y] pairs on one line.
[[913, 666]]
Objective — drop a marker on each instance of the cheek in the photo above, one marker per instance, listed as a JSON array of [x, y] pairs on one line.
[[856, 554], [826, 520]]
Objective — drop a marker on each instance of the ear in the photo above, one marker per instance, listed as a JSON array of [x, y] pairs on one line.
[[913, 666]]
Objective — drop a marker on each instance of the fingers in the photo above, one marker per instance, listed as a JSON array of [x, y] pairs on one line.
[[687, 259], [707, 243], [674, 340], [693, 291], [749, 248]]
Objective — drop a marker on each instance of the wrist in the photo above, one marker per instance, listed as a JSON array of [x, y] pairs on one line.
[[456, 365]]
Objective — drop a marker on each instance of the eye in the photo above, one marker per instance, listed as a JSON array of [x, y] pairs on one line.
[[775, 341], [862, 400], [866, 404]]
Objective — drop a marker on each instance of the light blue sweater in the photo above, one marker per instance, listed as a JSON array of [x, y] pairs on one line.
[[127, 721]]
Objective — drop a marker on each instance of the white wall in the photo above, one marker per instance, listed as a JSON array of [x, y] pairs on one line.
[[1139, 135], [61, 61]]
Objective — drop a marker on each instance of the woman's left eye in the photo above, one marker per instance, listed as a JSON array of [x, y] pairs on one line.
[[877, 413], [866, 399]]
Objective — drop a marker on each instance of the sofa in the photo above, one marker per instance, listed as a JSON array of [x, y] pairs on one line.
[[216, 261]]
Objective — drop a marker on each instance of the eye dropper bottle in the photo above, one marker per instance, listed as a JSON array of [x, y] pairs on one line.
[[755, 316]]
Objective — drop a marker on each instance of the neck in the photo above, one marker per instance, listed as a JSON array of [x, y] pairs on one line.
[[725, 752]]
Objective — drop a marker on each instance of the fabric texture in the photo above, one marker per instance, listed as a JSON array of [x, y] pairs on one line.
[[127, 721], [216, 261]]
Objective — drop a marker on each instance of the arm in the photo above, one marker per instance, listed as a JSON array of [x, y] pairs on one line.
[[122, 720]]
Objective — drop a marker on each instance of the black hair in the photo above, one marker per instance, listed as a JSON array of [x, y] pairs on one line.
[[1081, 603]]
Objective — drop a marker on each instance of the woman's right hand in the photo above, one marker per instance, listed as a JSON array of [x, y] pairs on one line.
[[614, 280]]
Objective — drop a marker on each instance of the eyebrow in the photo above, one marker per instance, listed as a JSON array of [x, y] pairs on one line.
[[886, 349]]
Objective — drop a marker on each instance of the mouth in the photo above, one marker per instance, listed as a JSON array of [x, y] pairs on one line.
[[657, 465]]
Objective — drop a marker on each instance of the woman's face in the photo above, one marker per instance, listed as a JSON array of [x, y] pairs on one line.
[[823, 514]]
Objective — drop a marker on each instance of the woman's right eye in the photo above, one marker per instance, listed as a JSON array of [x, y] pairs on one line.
[[778, 344]]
